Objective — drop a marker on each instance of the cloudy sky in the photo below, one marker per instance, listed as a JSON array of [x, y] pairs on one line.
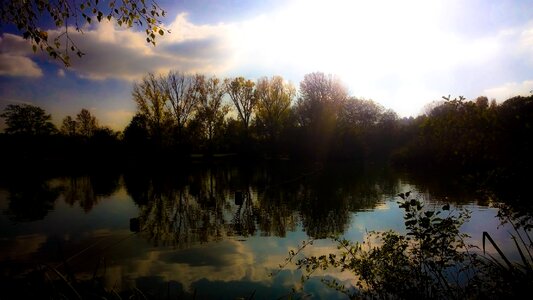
[[402, 54]]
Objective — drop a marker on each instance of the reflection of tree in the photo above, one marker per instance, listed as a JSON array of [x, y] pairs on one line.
[[277, 211], [30, 199], [79, 189], [170, 217], [328, 199], [324, 210], [244, 218], [210, 203], [87, 190], [178, 210]]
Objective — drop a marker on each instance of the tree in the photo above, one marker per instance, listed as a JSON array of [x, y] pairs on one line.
[[482, 102], [69, 126], [212, 110], [27, 119], [151, 100], [136, 133], [361, 113], [67, 15], [317, 109], [274, 98], [181, 91], [241, 92], [86, 123]]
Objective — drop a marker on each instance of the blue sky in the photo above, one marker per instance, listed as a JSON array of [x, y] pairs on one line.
[[402, 54]]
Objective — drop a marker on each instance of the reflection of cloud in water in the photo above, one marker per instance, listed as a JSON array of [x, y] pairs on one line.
[[21, 246], [227, 260]]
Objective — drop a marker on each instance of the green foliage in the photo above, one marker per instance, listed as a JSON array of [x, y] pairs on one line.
[[471, 136], [430, 261], [242, 93], [427, 262], [69, 15], [26, 119]]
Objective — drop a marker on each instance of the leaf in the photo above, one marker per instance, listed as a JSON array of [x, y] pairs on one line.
[[161, 32]]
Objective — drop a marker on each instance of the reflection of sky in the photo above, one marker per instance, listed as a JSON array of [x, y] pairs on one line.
[[234, 266]]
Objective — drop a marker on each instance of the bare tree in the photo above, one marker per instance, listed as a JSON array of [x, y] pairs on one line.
[[151, 102], [241, 92], [212, 110], [179, 89]]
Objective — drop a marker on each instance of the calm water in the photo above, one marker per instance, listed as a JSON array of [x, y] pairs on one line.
[[210, 231]]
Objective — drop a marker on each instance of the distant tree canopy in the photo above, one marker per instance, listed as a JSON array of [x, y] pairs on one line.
[[242, 93], [31, 16], [319, 103], [179, 115], [274, 98], [320, 100], [85, 124], [27, 119]]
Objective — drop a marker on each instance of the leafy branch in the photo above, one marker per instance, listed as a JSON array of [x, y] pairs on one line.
[[29, 16]]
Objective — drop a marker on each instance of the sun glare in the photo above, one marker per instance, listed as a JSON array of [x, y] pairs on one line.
[[360, 41]]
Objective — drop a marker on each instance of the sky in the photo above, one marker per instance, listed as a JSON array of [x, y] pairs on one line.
[[401, 54]]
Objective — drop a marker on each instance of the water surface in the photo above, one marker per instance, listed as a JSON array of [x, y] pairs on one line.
[[210, 231]]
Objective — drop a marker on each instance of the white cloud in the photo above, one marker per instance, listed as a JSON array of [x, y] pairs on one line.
[[114, 52], [61, 73], [509, 89], [526, 42], [15, 58]]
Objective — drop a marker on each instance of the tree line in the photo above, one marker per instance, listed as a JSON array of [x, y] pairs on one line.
[[179, 115]]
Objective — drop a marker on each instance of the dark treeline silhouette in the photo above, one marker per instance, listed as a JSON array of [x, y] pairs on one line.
[[489, 142], [186, 117]]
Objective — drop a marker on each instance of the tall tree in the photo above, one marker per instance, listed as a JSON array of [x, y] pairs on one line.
[[151, 99], [321, 98], [180, 90], [27, 119], [86, 123], [136, 133], [274, 98], [241, 92], [212, 110], [67, 15], [69, 126]]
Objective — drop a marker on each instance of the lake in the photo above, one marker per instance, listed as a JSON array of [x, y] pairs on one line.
[[212, 231]]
